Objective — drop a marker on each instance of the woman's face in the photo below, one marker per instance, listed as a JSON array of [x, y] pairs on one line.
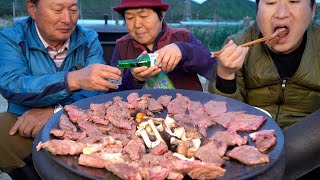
[[143, 25], [294, 15]]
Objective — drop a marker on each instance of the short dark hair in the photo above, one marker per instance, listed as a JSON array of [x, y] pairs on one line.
[[156, 10], [312, 2], [34, 1]]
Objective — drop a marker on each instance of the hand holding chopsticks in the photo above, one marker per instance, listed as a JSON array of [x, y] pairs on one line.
[[271, 40]]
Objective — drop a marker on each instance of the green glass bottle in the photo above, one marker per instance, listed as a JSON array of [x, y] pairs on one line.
[[142, 60]]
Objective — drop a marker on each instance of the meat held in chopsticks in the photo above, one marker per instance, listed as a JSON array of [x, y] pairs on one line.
[[270, 40]]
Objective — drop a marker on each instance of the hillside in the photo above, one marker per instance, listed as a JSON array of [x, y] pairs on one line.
[[225, 10], [220, 10], [229, 9]]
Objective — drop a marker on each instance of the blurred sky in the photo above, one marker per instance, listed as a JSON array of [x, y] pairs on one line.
[[201, 1]]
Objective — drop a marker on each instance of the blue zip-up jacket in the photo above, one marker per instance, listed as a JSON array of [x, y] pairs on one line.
[[29, 77]]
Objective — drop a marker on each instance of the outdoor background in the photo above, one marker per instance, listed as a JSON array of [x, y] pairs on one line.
[[217, 18], [211, 21]]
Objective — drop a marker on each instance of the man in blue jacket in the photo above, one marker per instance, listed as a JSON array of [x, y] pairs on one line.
[[45, 60]]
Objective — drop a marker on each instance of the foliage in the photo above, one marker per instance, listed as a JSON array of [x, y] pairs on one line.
[[223, 10], [6, 8], [211, 9], [5, 22], [213, 37]]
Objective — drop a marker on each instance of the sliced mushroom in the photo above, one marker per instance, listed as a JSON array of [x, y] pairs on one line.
[[183, 147], [170, 122], [194, 146], [142, 125], [160, 127], [157, 120], [191, 151], [174, 141], [167, 129], [180, 133], [155, 130], [192, 132], [140, 116], [149, 130], [174, 144], [196, 143], [166, 137], [182, 157], [143, 133]]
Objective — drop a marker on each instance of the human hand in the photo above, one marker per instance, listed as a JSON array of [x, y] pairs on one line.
[[143, 73], [94, 77], [30, 123], [230, 60], [169, 56]]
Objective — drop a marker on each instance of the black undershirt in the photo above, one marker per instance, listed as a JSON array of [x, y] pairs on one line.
[[287, 65]]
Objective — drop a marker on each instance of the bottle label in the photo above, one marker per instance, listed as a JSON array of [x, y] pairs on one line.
[[159, 81], [153, 58]]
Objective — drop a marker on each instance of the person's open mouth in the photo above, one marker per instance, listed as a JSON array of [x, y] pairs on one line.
[[285, 32]]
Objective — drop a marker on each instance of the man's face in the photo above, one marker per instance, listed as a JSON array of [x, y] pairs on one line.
[[294, 15], [143, 25], [55, 19]]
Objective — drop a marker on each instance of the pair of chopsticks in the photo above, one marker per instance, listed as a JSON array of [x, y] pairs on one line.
[[277, 35]]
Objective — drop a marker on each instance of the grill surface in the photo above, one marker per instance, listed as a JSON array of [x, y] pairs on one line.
[[53, 167]]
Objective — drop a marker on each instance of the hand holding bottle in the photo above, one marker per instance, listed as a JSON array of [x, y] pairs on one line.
[[147, 65], [143, 67], [143, 73], [168, 58]]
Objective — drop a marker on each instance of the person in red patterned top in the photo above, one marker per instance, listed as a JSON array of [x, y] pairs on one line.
[[181, 55]]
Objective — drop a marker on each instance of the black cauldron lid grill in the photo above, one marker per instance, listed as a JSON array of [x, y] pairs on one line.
[[51, 166]]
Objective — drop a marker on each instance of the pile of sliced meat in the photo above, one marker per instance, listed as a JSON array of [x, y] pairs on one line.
[[109, 136]]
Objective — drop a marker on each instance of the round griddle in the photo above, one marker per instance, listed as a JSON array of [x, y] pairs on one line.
[[50, 166]]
